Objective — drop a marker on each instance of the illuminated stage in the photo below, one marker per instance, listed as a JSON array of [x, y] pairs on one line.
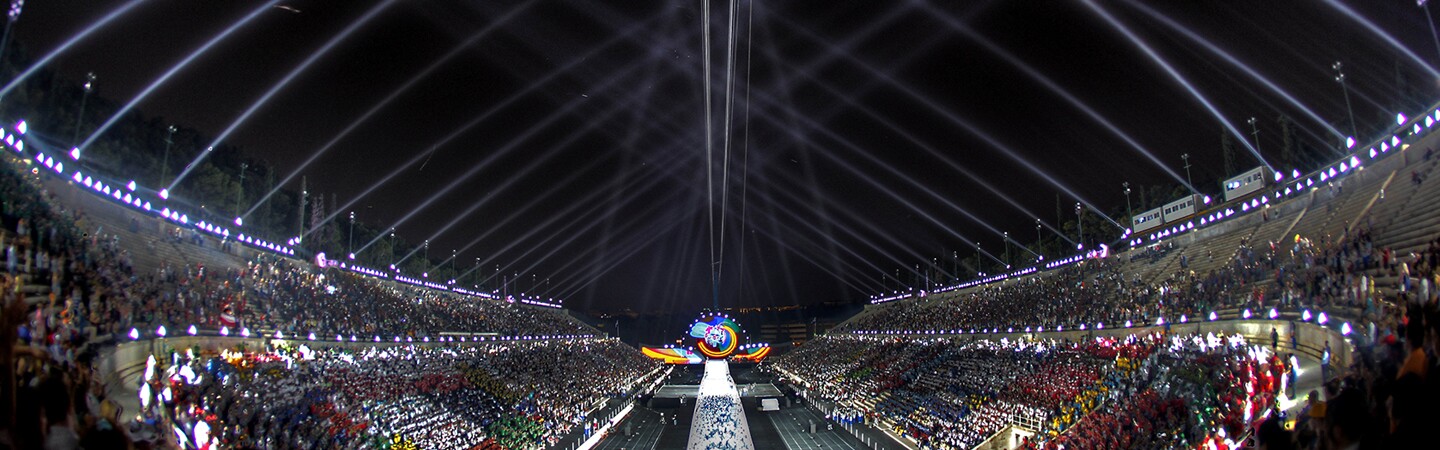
[[719, 421], [717, 337]]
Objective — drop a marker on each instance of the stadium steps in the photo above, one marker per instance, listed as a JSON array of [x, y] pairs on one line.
[[1345, 213], [1270, 232], [1372, 192], [1161, 269], [1404, 195], [1220, 251], [108, 217], [1276, 228], [1414, 225], [1292, 222], [1365, 193], [1406, 223], [148, 252], [1410, 222], [1322, 210], [1348, 212]]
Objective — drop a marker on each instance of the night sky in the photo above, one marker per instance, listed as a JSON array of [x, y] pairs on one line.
[[874, 135]]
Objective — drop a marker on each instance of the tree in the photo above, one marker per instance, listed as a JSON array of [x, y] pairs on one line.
[[213, 188], [1227, 150], [1289, 151]]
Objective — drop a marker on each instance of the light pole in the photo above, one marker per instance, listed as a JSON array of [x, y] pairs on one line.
[[426, 264], [1006, 235], [955, 267], [14, 14], [978, 260], [934, 266], [80, 116], [1424, 4], [1255, 132], [1038, 246], [1185, 157], [1340, 78], [350, 241], [240, 192], [1128, 210], [165, 162], [392, 250], [1080, 223]]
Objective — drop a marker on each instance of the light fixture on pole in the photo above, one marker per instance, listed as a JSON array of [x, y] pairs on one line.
[[350, 241], [1255, 131], [1006, 235], [1188, 180], [1340, 78], [15, 7], [1038, 246], [80, 116], [934, 266], [1424, 5], [955, 266], [1131, 212], [240, 191], [165, 162], [977, 259]]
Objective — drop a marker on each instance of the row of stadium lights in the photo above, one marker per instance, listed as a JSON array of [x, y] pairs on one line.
[[742, 347], [1336, 170], [162, 332], [1321, 319], [130, 196], [1285, 189], [1102, 252], [450, 286]]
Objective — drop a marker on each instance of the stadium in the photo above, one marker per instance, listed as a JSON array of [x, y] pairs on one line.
[[718, 225]]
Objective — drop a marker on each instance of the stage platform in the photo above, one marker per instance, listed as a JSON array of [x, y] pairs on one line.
[[690, 391], [719, 421]]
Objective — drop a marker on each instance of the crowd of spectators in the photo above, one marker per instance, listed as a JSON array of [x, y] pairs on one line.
[[504, 395], [291, 296], [71, 288], [1324, 272], [1187, 391], [1181, 391], [99, 292], [1089, 292], [70, 283]]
